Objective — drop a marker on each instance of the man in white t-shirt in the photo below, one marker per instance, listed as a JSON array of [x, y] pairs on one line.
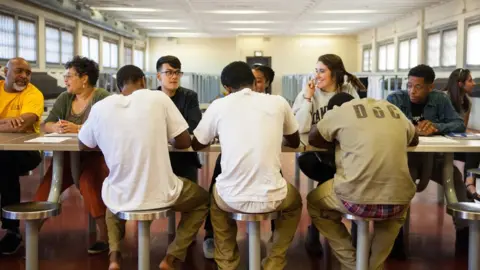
[[133, 131], [250, 127], [372, 179]]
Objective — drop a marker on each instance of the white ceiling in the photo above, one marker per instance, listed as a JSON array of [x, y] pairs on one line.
[[183, 18]]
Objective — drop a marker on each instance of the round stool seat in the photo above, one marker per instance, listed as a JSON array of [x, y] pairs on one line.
[[31, 210], [464, 210], [353, 217], [145, 215], [254, 216]]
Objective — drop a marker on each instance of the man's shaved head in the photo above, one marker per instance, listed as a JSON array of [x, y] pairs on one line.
[[18, 73]]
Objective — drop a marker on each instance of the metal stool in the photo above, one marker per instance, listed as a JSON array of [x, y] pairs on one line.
[[33, 213], [253, 221], [144, 218], [362, 241], [471, 212]]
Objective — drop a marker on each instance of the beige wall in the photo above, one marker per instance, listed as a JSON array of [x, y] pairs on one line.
[[290, 54]]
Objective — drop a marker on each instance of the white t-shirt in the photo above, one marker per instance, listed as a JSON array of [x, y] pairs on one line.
[[133, 132], [250, 127], [310, 113]]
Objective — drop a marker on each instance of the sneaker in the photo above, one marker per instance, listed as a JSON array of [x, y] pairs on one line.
[[312, 242], [98, 247], [208, 248], [10, 243]]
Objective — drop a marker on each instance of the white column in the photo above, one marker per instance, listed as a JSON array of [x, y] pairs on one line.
[[41, 59], [461, 43], [374, 51], [100, 52], [421, 37], [121, 52], [397, 49], [78, 38]]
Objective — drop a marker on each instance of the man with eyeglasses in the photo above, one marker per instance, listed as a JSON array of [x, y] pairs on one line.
[[169, 73], [432, 113], [21, 107]]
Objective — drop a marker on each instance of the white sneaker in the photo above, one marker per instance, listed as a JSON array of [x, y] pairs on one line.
[[208, 248]]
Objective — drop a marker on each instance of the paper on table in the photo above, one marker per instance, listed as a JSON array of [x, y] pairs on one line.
[[61, 135], [48, 140], [436, 139]]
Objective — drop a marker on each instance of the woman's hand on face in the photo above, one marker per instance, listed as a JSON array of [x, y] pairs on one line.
[[310, 90]]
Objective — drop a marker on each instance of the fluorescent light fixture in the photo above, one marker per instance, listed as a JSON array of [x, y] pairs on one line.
[[152, 20], [248, 29], [129, 9], [238, 11], [339, 22], [349, 11], [327, 29], [164, 28], [177, 34], [248, 22], [315, 34]]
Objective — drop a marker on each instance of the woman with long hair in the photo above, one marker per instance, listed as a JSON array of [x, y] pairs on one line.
[[309, 108]]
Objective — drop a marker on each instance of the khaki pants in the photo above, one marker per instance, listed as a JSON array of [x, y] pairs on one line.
[[225, 230], [326, 209], [192, 203]]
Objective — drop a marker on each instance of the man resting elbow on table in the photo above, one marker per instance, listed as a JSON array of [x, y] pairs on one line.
[[70, 111], [141, 176], [432, 113], [21, 106]]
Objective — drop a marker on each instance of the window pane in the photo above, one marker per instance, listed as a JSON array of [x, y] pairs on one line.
[[27, 40], [391, 56], [473, 45], [382, 58], [93, 49], [106, 54], [449, 49], [128, 56], [7, 37], [85, 47], [404, 54], [52, 43], [433, 52], [370, 64], [67, 46], [139, 59], [413, 53], [366, 60], [114, 55]]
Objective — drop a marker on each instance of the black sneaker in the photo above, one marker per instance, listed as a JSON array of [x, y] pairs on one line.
[[10, 243], [98, 247], [312, 242]]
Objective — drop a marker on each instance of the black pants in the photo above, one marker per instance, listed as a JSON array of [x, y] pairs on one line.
[[319, 167], [12, 165], [208, 222]]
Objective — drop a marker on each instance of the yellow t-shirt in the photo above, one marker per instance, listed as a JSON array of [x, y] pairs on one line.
[[29, 100]]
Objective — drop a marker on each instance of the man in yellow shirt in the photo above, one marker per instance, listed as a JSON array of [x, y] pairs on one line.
[[21, 106]]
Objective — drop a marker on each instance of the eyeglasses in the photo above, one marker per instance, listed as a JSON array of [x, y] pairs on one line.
[[170, 73], [68, 76]]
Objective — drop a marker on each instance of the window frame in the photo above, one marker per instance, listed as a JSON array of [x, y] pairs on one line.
[[142, 49], [475, 21], [386, 43], [91, 36], [60, 28], [440, 30], [408, 38], [370, 63], [17, 16], [125, 47]]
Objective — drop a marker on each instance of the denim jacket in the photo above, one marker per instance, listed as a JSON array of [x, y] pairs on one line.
[[438, 110]]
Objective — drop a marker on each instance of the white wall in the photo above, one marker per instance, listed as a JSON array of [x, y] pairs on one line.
[[290, 54], [456, 12]]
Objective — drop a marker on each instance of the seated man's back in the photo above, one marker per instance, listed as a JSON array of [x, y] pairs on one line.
[[251, 127], [133, 135], [371, 158]]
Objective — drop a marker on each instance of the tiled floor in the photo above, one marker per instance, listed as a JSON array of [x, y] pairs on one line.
[[64, 239]]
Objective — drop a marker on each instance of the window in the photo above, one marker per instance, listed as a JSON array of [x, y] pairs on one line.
[[367, 59], [18, 37], [386, 57], [110, 55], [407, 53], [59, 45], [90, 47], [442, 48], [128, 56], [139, 59], [473, 43]]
